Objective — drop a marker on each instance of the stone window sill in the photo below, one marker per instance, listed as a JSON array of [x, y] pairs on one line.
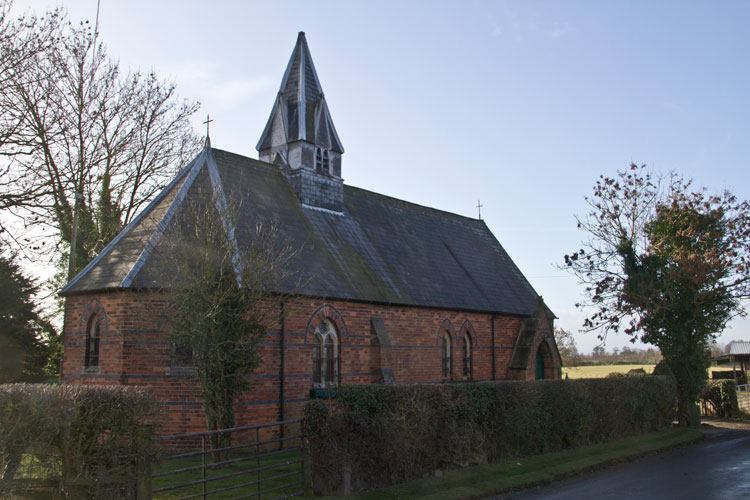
[[181, 371], [92, 370], [323, 392]]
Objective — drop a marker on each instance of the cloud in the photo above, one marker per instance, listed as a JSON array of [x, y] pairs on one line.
[[518, 28], [205, 79], [558, 29], [673, 107]]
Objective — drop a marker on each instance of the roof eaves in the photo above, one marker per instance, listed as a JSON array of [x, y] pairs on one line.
[[331, 125], [153, 240], [276, 110], [137, 220]]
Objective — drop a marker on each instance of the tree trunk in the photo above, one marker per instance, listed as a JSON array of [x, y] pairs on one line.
[[220, 415], [688, 413]]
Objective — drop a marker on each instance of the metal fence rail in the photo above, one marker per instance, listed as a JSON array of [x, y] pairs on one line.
[[255, 461], [743, 397]]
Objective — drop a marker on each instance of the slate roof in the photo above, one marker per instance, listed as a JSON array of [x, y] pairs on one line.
[[381, 249]]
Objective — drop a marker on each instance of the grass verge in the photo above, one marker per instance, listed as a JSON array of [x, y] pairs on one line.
[[483, 480]]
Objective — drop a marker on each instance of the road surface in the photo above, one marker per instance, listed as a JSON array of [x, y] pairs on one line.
[[716, 468]]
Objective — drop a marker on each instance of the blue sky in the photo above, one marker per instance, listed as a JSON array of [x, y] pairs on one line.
[[519, 104]]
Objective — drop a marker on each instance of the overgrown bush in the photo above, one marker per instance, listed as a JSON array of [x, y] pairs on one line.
[[379, 435], [98, 435], [719, 397]]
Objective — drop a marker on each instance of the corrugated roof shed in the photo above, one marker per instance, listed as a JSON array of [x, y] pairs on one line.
[[739, 347]]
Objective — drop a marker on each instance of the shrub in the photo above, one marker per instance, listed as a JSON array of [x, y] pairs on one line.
[[98, 434], [662, 368], [719, 397], [380, 435]]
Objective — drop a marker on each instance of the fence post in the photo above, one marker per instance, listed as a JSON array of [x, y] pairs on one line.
[[143, 462], [203, 463], [303, 449], [257, 456]]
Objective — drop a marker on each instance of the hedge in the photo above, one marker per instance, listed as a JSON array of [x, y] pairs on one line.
[[381, 435], [90, 440], [719, 397]]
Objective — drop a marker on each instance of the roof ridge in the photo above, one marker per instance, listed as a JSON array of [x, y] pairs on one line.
[[433, 209], [267, 165]]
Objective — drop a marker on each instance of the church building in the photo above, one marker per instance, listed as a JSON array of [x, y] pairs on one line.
[[392, 292]]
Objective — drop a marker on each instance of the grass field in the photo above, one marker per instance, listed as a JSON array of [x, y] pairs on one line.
[[722, 368], [601, 371]]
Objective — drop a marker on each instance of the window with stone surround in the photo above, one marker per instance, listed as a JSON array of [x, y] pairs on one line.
[[326, 162], [91, 356], [445, 356], [325, 355], [468, 365], [182, 356], [181, 361]]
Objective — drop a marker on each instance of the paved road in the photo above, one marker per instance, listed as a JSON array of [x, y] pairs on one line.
[[716, 468]]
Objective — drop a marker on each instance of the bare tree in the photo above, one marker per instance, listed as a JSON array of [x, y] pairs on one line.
[[566, 345], [21, 41], [74, 122]]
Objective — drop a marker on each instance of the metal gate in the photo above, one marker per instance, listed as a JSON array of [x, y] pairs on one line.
[[743, 397], [259, 461]]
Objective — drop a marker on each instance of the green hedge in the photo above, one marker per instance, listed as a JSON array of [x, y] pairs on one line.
[[380, 435], [719, 398], [89, 440]]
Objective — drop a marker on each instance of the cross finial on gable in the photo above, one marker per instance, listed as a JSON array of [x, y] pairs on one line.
[[479, 207], [208, 124]]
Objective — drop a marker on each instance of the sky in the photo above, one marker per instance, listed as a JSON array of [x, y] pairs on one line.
[[521, 105]]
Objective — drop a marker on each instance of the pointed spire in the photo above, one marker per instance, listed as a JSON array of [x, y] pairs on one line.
[[300, 137], [300, 110]]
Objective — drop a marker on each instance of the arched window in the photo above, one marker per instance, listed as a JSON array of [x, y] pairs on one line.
[[91, 358], [468, 365], [318, 159], [326, 162], [445, 352], [326, 356]]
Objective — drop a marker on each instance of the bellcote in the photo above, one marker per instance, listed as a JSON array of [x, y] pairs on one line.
[[300, 136]]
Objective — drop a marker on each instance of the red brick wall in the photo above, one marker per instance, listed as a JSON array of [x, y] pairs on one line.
[[134, 349]]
